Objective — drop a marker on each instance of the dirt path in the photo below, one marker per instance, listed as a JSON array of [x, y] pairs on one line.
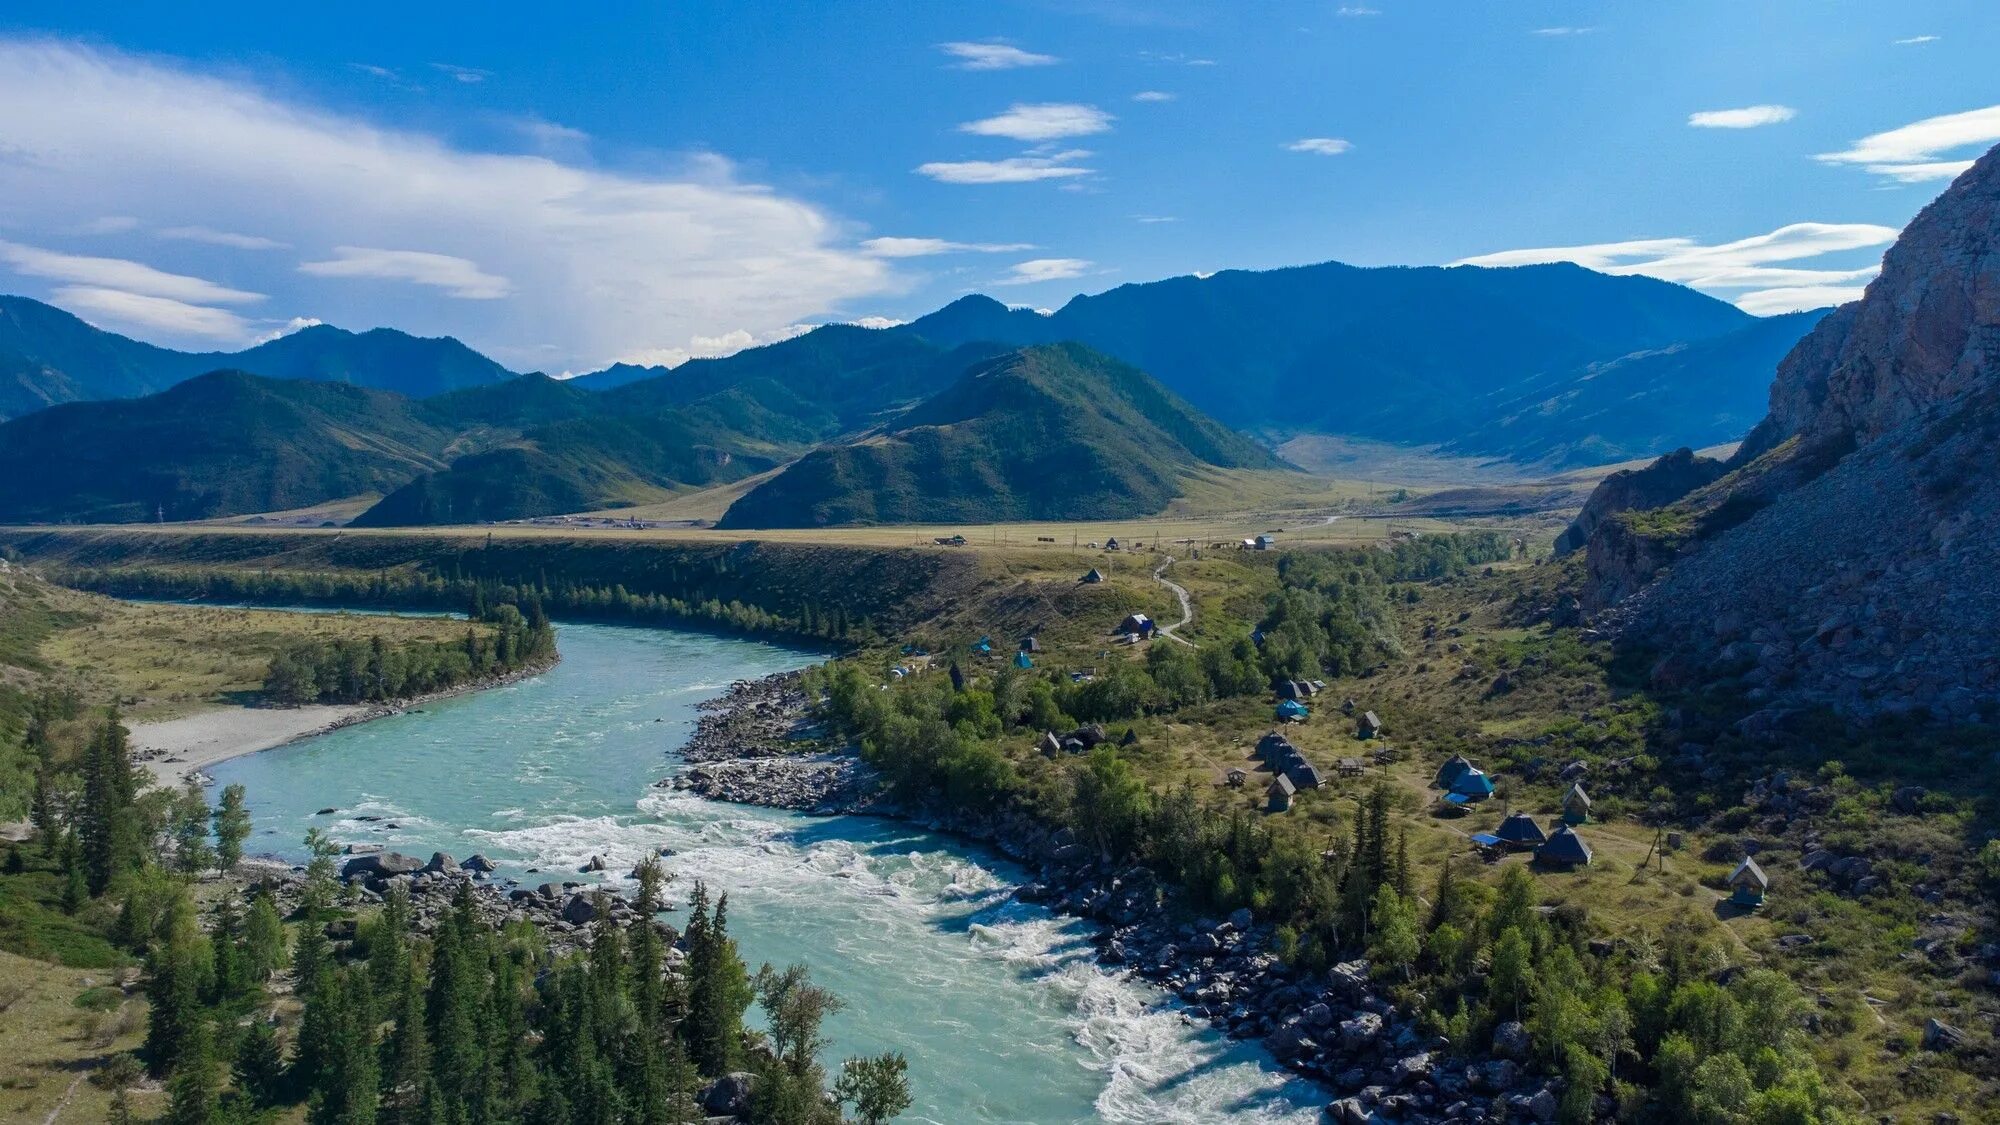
[[1187, 605]]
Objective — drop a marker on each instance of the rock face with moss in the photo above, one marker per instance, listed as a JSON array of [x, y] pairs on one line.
[[1847, 557]]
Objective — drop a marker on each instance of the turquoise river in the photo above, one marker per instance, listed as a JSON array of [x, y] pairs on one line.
[[998, 1005]]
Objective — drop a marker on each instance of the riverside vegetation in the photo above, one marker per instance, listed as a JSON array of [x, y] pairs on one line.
[[239, 992], [1638, 996]]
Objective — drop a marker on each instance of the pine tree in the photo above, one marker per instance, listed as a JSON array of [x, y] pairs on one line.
[[191, 1090], [232, 827], [718, 987], [259, 1070], [192, 854], [177, 975], [263, 939], [407, 1067], [232, 974], [345, 1090], [106, 825], [455, 1001]]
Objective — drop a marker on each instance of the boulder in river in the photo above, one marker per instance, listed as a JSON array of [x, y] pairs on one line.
[[478, 862], [440, 863], [579, 910]]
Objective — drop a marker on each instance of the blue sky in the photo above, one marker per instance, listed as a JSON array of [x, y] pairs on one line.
[[661, 180]]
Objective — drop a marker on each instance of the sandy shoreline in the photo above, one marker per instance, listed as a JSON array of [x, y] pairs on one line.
[[174, 748], [177, 747]]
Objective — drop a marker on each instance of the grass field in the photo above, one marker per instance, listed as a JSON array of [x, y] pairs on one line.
[[57, 1025], [157, 661]]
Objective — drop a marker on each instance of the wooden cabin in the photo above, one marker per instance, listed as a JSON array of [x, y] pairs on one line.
[[1748, 884]]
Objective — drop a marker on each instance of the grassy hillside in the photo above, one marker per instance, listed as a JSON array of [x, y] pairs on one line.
[[216, 445], [1054, 432]]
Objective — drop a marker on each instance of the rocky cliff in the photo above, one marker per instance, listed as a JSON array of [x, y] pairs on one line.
[[1847, 556]]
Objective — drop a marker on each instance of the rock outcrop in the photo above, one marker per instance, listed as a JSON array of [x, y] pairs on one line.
[[1657, 485], [1848, 556]]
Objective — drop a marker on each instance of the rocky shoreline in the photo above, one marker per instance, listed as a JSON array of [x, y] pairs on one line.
[[1335, 1028]]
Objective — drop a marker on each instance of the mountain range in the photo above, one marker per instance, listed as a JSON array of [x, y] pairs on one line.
[[48, 357], [1544, 366]]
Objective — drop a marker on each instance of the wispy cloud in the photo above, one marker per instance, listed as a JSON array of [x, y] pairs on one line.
[[1013, 170], [222, 238], [1915, 40], [1156, 218], [709, 347], [117, 308], [549, 134], [1045, 269], [466, 74], [1357, 10], [458, 277], [598, 263], [1152, 96], [1044, 121], [1753, 263], [119, 274], [1177, 58], [926, 247], [1320, 146], [1748, 117], [109, 224], [1555, 32], [993, 56], [1913, 153]]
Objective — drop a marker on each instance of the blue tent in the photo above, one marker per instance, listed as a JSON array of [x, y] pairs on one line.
[[1022, 660], [1292, 709], [984, 644], [1473, 785]]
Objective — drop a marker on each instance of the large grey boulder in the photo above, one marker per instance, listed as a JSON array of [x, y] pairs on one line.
[[381, 865], [579, 910], [1510, 1041], [1356, 1034], [478, 862], [440, 863], [729, 1095]]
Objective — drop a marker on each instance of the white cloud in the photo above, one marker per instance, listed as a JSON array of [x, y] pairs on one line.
[[1746, 263], [222, 238], [1561, 31], [993, 56], [1357, 10], [1153, 96], [114, 308], [466, 74], [1915, 40], [877, 322], [289, 327], [1911, 154], [1156, 218], [1320, 146], [1013, 170], [458, 277], [710, 347], [549, 134], [1045, 121], [1044, 269], [925, 247], [1770, 302], [602, 262], [1748, 117], [120, 274]]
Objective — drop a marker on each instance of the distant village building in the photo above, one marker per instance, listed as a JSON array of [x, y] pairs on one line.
[[1264, 543], [1049, 744], [1564, 851], [1111, 544], [1303, 774], [1093, 577], [1278, 798], [1136, 623], [1519, 832], [1237, 777], [1351, 767], [1748, 884], [1030, 643], [1576, 804], [1449, 773], [1472, 785], [1370, 725]]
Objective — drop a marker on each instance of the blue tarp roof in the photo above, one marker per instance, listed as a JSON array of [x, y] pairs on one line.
[[1487, 840], [1473, 783]]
